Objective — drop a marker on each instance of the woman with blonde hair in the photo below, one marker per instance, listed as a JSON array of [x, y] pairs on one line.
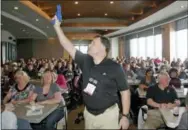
[[21, 91], [49, 93]]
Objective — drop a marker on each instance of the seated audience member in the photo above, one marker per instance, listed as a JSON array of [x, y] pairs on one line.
[[148, 80], [167, 66], [151, 65], [61, 81], [174, 81], [179, 62], [134, 67], [141, 71], [183, 125], [76, 70], [173, 63], [31, 71], [49, 93], [12, 70], [186, 63], [182, 73], [129, 73], [157, 62], [21, 91], [69, 74], [42, 69], [163, 68], [160, 96], [5, 70], [9, 119], [51, 67], [59, 68]]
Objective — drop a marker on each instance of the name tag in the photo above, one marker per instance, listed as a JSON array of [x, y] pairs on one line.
[[90, 89]]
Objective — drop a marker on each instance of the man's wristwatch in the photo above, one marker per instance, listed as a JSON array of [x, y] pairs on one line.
[[126, 115]]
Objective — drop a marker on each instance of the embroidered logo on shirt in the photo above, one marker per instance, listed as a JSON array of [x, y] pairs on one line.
[[95, 81], [104, 73]]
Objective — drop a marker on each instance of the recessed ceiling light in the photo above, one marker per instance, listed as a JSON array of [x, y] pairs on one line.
[[16, 8], [37, 20], [111, 2], [182, 6], [105, 14], [76, 2], [78, 14]]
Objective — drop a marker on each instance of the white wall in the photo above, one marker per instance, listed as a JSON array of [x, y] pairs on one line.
[[5, 37], [114, 48]]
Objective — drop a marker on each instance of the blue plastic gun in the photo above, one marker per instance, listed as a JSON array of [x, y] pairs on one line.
[[58, 14]]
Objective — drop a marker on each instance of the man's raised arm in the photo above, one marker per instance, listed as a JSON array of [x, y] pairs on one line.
[[64, 41]]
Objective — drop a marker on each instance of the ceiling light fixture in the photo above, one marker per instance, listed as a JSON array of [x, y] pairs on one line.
[[105, 14], [16, 8], [111, 2], [76, 2], [37, 20], [78, 14], [182, 6]]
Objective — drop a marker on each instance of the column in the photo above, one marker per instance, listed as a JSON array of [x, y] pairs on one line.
[[166, 40]]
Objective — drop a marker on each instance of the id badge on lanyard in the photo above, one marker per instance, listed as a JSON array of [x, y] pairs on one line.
[[90, 88]]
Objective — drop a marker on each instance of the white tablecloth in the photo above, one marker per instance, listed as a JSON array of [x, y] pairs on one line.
[[170, 120], [182, 92]]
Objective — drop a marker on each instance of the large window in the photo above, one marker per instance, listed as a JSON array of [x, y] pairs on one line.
[[8, 52], [142, 47], [134, 47], [158, 46], [181, 44], [179, 40], [82, 48], [149, 46]]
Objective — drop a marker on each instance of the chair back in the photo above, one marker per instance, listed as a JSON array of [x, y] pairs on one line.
[[142, 116], [76, 79], [61, 81]]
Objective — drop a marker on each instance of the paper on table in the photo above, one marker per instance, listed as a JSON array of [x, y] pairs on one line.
[[34, 113], [37, 106]]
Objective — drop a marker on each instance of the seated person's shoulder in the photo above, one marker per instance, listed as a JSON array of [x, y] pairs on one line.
[[55, 87], [153, 88], [171, 89], [30, 86], [143, 80]]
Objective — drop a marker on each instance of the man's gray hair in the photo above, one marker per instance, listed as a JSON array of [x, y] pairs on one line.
[[162, 73]]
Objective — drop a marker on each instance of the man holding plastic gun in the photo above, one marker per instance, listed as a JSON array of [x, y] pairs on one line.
[[102, 79]]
